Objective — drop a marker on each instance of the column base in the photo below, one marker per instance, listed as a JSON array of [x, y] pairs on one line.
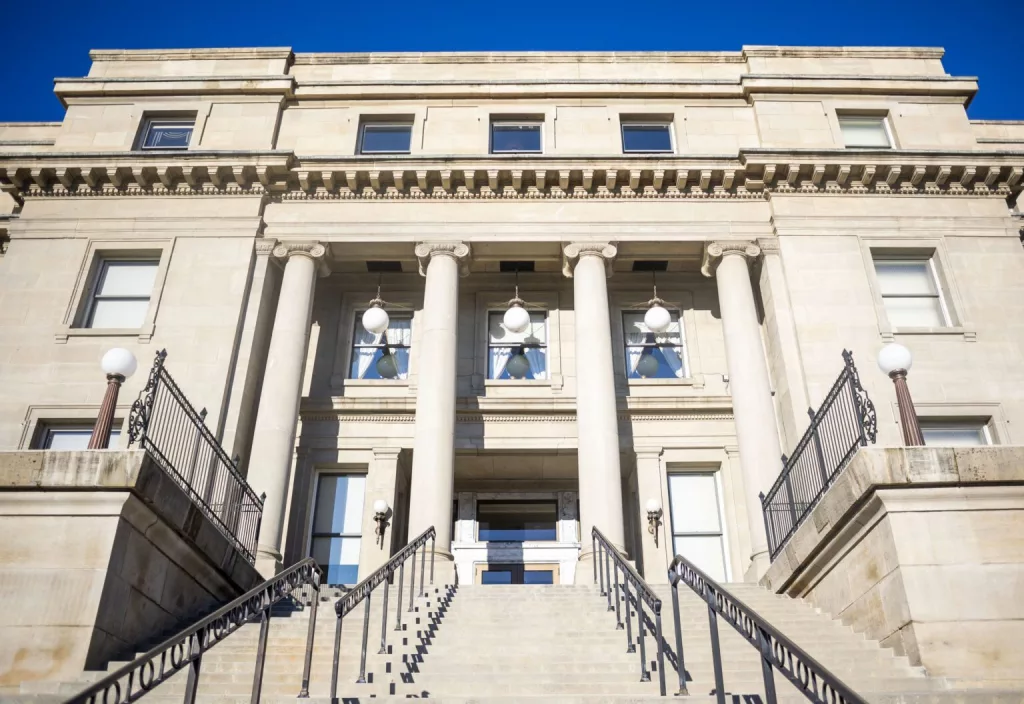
[[585, 568], [269, 562], [759, 564]]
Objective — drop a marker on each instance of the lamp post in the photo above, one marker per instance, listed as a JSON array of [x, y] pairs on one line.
[[380, 515], [896, 360], [119, 364]]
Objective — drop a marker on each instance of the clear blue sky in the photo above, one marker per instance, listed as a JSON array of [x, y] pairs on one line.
[[44, 39]]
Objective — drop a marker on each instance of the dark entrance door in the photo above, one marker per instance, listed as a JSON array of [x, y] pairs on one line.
[[518, 573]]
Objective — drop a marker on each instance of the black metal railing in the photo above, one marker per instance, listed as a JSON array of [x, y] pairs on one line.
[[778, 652], [163, 422], [362, 593], [608, 564], [845, 421], [185, 650]]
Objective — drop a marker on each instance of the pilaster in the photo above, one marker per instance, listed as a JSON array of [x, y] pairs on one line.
[[381, 482], [656, 548]]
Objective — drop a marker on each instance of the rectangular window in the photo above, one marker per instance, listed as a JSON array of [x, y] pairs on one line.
[[516, 521], [652, 355], [910, 291], [121, 293], [865, 131], [955, 433], [697, 521], [385, 138], [646, 137], [337, 526], [71, 436], [383, 356], [517, 355], [164, 133], [512, 137]]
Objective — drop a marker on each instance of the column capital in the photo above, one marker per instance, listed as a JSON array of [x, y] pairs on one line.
[[459, 251], [386, 453], [648, 453], [577, 250], [715, 252], [313, 250], [265, 246]]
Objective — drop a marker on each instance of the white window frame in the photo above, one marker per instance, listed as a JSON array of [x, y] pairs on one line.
[[341, 471], [932, 271], [667, 124], [353, 346], [723, 534], [682, 346], [886, 127], [982, 425], [363, 124], [94, 294], [539, 124], [151, 122], [546, 346], [46, 428]]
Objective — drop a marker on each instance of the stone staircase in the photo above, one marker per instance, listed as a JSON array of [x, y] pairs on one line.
[[541, 644]]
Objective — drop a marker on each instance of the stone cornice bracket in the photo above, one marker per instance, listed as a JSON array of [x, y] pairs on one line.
[[314, 250], [574, 251], [769, 245], [265, 246], [714, 252], [459, 251]]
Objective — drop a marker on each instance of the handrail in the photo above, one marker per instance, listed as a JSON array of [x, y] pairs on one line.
[[186, 649], [778, 652], [362, 591], [611, 564]]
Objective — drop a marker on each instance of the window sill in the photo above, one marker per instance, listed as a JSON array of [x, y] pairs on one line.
[[969, 334], [516, 382], [143, 334], [375, 382], [685, 381]]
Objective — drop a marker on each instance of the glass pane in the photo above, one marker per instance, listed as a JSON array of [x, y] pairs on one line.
[[864, 131], [538, 577], [126, 278], [386, 139], [168, 135], [638, 333], [705, 551], [67, 438], [954, 436], [694, 503], [646, 138], [118, 314], [496, 576], [913, 278], [914, 312], [515, 138], [374, 363], [338, 558], [655, 362], [535, 334], [516, 520], [339, 504]]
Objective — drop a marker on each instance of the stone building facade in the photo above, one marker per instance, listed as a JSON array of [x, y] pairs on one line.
[[243, 207]]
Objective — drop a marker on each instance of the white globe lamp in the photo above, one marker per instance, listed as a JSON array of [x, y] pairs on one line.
[[517, 318], [653, 506], [894, 357], [657, 318], [376, 319], [380, 506], [119, 362]]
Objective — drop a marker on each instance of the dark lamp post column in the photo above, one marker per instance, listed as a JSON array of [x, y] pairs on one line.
[[100, 438], [908, 416]]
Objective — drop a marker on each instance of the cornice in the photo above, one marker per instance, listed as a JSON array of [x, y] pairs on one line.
[[270, 52], [509, 417]]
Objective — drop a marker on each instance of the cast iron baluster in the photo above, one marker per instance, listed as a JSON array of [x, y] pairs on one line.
[[661, 652], [630, 647], [818, 452], [645, 676], [716, 650], [398, 611], [680, 664], [766, 667], [366, 635], [608, 571], [412, 581], [423, 564], [618, 610], [261, 652], [384, 617], [432, 540], [600, 567], [593, 541], [195, 448], [195, 662], [337, 654], [307, 664]]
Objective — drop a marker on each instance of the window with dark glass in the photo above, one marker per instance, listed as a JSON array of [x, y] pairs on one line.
[[167, 133], [337, 526], [511, 137], [516, 521], [646, 137], [651, 355], [517, 355], [71, 436], [383, 356], [385, 138]]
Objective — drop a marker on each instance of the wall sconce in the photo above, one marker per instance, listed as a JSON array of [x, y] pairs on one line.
[[380, 514], [654, 513]]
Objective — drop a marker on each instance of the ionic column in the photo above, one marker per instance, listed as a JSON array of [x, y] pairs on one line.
[[757, 431], [433, 456], [597, 424], [274, 441]]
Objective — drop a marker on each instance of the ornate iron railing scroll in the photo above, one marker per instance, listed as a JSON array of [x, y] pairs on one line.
[[163, 422], [778, 652], [845, 421], [611, 570], [185, 650]]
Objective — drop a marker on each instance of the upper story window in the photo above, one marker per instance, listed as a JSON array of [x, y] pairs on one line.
[[651, 137], [120, 293], [651, 355], [865, 131], [383, 356], [516, 137], [167, 133], [385, 137], [517, 355], [955, 433], [910, 291], [69, 436]]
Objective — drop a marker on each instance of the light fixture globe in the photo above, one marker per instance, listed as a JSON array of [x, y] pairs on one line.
[[648, 366], [376, 319], [387, 367], [119, 362], [380, 506], [894, 357], [518, 366], [657, 318], [653, 506], [517, 318]]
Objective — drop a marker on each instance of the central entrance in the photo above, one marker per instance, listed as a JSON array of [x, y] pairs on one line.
[[517, 573]]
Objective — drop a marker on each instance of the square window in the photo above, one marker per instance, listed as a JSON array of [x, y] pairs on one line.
[[385, 138], [383, 356], [515, 137], [651, 355], [910, 292], [338, 526], [955, 433], [865, 131], [517, 355], [71, 436], [516, 521], [164, 133], [121, 293], [646, 137]]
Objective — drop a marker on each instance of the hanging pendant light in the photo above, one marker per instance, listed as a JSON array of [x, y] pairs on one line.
[[517, 318], [647, 366], [657, 318], [376, 319], [518, 366], [387, 366]]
